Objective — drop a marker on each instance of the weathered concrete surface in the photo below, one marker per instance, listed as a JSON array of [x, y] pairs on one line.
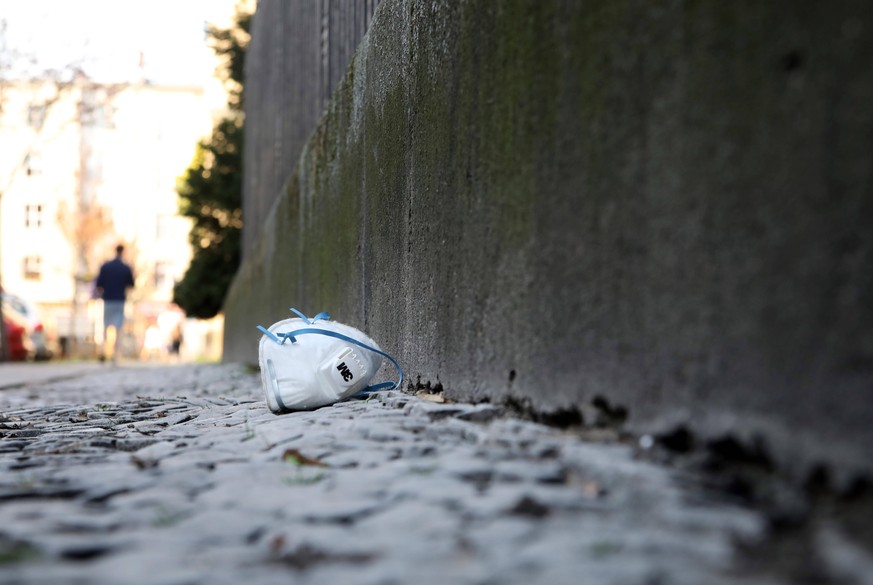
[[291, 40], [180, 475], [667, 206]]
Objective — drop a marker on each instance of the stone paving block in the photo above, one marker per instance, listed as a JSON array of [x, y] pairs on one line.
[[530, 471]]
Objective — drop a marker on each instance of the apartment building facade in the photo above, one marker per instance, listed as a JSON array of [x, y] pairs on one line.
[[85, 166]]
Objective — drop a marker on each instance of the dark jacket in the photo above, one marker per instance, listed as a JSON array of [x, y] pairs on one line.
[[114, 279]]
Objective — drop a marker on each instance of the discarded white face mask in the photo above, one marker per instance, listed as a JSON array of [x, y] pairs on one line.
[[307, 363]]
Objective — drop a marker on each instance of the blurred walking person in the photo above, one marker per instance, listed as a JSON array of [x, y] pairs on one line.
[[114, 279], [176, 343]]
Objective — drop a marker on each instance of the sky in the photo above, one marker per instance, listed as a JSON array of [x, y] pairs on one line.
[[106, 38]]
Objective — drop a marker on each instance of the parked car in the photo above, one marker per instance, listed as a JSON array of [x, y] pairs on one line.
[[39, 328], [18, 339]]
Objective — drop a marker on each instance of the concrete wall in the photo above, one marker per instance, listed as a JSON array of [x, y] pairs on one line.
[[666, 205], [299, 53]]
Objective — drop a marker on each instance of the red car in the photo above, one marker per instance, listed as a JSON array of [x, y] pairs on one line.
[[40, 327], [20, 345]]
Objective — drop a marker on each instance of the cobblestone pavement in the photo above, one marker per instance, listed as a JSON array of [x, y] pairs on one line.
[[180, 475]]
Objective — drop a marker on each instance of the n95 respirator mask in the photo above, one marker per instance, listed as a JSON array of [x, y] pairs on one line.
[[307, 363]]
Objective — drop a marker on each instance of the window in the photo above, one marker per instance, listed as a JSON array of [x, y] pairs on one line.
[[33, 215], [163, 278], [32, 267], [98, 116], [36, 115], [32, 164]]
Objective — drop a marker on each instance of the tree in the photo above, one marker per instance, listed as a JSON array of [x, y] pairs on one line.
[[211, 188]]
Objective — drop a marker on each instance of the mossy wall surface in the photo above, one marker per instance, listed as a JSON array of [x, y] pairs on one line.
[[292, 40], [665, 205]]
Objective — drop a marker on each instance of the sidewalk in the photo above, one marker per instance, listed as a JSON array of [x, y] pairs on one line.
[[15, 374], [179, 475]]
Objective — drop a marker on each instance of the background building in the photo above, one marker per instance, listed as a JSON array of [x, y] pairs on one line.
[[85, 166], [101, 108]]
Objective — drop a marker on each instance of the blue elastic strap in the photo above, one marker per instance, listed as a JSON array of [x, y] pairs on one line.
[[281, 338], [321, 316]]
